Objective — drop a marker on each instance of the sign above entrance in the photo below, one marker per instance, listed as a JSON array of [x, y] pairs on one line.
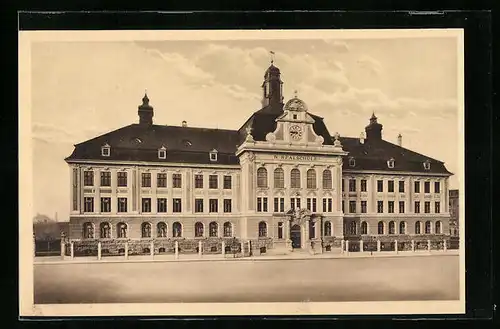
[[295, 157]]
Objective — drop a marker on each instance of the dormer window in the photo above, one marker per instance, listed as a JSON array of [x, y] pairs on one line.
[[162, 153], [352, 162], [427, 165], [213, 155], [390, 163], [105, 150]]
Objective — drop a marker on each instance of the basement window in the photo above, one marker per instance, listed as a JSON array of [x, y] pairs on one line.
[[105, 150]]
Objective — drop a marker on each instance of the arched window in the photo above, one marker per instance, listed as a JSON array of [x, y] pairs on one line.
[[121, 230], [418, 227], [402, 228], [364, 228], [177, 230], [146, 230], [438, 227], [162, 230], [327, 179], [88, 230], [295, 178], [228, 229], [380, 227], [427, 227], [198, 229], [214, 229], [105, 230], [352, 228], [261, 177], [262, 229], [392, 227], [279, 178], [328, 229], [311, 178]]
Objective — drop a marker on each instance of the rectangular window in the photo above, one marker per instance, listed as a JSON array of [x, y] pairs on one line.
[[330, 202], [352, 207], [122, 179], [161, 204], [146, 180], [177, 205], [324, 205], [390, 207], [427, 207], [343, 185], [380, 207], [176, 180], [401, 207], [264, 204], [280, 230], [105, 178], [417, 207], [417, 187], [227, 182], [161, 180], [363, 185], [380, 186], [213, 205], [122, 204], [198, 181], [212, 181], [427, 187], [314, 205], [282, 204], [437, 187], [88, 178], [343, 206], [146, 204], [276, 205], [259, 204], [308, 203], [105, 204], [88, 204], [363, 207], [352, 185], [437, 207], [390, 186], [227, 205], [401, 186], [198, 205]]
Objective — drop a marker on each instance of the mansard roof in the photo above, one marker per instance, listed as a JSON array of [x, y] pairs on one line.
[[372, 155], [141, 143]]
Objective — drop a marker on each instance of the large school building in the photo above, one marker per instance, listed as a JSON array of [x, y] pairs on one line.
[[282, 182]]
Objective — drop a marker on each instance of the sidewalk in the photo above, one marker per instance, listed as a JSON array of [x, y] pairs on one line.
[[212, 258]]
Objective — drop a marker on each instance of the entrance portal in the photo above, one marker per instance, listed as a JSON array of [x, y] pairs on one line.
[[295, 236]]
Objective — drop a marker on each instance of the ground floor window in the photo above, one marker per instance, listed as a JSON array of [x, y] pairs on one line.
[[88, 231], [438, 227], [177, 230], [162, 230], [105, 230], [380, 227], [402, 228], [146, 230], [121, 229], [364, 228], [262, 229], [427, 227], [214, 229], [418, 229], [328, 229], [228, 229], [392, 227], [198, 229]]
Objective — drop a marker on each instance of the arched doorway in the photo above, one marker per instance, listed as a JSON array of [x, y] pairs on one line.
[[295, 236]]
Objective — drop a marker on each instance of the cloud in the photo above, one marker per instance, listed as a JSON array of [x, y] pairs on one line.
[[370, 64], [337, 45]]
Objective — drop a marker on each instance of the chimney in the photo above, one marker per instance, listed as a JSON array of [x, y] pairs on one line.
[[362, 138], [400, 140], [184, 123]]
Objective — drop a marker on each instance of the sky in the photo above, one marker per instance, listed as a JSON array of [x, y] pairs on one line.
[[80, 90]]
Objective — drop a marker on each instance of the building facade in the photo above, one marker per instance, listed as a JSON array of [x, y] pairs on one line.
[[454, 219], [281, 182]]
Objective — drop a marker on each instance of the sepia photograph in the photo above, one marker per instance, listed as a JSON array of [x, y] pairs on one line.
[[257, 172]]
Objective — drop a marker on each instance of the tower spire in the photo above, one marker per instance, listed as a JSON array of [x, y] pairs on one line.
[[272, 87]]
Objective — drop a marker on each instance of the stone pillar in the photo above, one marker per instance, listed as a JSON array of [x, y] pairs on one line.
[[176, 249], [223, 248], [396, 246], [413, 245], [200, 252], [63, 248], [378, 245], [72, 250], [99, 250], [243, 248], [152, 249], [342, 245], [429, 245], [126, 250], [347, 246], [249, 247], [361, 246], [444, 245]]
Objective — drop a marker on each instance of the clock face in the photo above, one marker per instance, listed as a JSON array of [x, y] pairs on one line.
[[296, 132]]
